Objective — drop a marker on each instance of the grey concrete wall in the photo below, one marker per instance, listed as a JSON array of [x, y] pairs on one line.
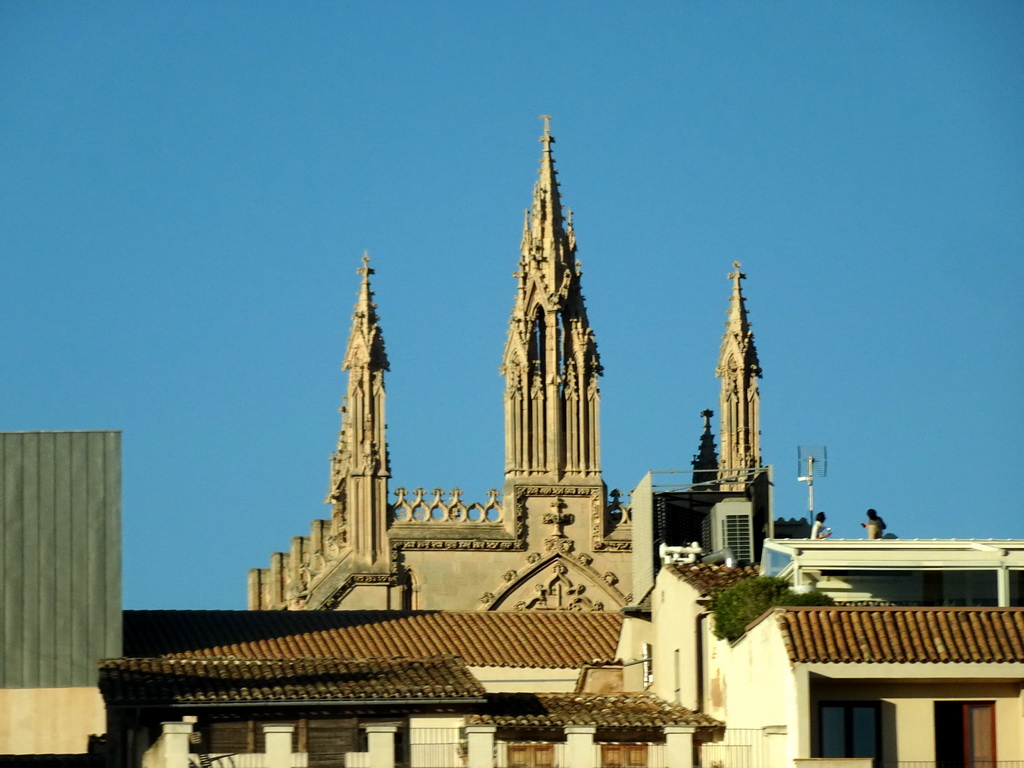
[[60, 556]]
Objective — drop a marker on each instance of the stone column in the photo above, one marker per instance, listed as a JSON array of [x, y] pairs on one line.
[[480, 746], [380, 740], [579, 746], [174, 746], [278, 739], [679, 746]]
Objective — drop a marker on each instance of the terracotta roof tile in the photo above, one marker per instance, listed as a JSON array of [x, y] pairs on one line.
[[623, 710], [480, 638], [708, 578], [844, 634], [208, 681]]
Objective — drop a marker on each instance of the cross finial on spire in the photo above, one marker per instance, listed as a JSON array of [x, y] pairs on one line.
[[547, 139], [706, 414], [365, 270]]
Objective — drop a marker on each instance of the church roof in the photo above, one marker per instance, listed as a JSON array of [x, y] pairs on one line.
[[621, 710], [902, 635], [218, 681], [479, 638], [708, 578]]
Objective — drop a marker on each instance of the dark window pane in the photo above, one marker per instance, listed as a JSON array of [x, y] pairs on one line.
[[833, 731], [863, 735]]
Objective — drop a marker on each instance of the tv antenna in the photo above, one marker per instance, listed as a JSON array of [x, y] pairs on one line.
[[811, 462]]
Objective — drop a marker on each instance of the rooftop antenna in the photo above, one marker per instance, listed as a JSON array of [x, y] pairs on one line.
[[811, 462]]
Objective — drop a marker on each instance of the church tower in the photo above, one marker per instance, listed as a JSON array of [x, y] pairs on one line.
[[359, 466], [739, 401], [551, 364]]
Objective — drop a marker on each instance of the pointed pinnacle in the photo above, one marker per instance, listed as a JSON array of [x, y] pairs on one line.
[[365, 331], [547, 204], [737, 322]]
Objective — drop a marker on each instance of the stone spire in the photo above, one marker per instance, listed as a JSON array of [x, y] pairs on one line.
[[739, 402], [705, 462], [359, 466], [551, 364]]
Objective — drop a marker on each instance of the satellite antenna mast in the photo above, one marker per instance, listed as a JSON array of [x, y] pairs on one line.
[[811, 462]]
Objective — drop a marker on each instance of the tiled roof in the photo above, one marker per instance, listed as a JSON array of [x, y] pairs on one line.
[[209, 681], [909, 635], [623, 710], [480, 638], [707, 578]]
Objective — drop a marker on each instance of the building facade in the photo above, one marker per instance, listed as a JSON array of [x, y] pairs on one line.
[[553, 538], [60, 564]]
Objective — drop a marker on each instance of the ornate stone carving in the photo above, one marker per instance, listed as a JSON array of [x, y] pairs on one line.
[[421, 509], [504, 545], [560, 593], [356, 580], [613, 546], [558, 544], [619, 511]]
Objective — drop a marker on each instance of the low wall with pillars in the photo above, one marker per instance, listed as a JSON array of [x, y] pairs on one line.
[[171, 749]]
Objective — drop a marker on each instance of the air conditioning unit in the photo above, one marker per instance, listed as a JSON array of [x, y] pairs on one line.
[[732, 526]]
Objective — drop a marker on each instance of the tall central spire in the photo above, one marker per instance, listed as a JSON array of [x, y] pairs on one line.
[[551, 363]]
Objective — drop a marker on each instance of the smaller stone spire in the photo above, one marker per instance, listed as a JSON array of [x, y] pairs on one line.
[[360, 466], [739, 402], [705, 462]]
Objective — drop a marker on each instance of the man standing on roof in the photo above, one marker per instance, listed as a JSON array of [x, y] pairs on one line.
[[875, 525]]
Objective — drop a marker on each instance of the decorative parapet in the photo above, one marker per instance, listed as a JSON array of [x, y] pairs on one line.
[[418, 508]]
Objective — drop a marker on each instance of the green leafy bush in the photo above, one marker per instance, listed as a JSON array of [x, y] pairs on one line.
[[739, 605]]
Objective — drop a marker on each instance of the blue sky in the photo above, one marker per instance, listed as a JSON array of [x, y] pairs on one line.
[[187, 188]]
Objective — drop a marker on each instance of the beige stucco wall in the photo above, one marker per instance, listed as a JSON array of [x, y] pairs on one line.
[[520, 680], [49, 720], [908, 709], [635, 632], [675, 611], [750, 684]]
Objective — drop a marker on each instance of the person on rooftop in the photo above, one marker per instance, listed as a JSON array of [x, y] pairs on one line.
[[818, 530], [875, 525]]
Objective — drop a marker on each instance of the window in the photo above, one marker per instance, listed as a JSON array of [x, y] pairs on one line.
[[531, 755], [623, 755], [965, 733], [849, 729], [1016, 587]]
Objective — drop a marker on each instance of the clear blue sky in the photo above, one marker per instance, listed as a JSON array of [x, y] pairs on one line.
[[186, 189]]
